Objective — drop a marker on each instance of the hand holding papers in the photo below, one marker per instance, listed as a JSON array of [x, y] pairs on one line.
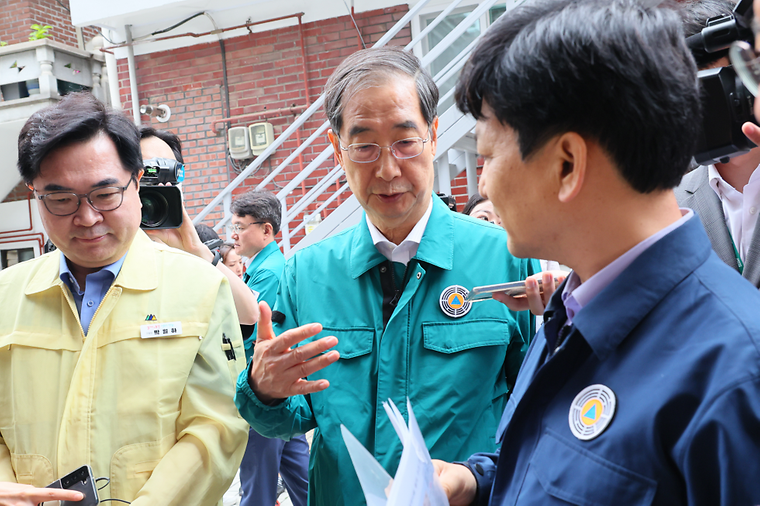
[[415, 483]]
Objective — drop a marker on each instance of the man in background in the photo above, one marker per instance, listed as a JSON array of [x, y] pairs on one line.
[[255, 220], [725, 196], [165, 144]]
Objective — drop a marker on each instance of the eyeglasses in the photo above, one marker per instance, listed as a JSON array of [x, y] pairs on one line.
[[746, 64], [368, 152], [108, 198], [237, 228]]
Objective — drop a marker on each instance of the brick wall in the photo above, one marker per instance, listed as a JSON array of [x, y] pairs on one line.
[[265, 71], [20, 192], [16, 16]]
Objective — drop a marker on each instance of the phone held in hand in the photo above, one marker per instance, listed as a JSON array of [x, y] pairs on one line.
[[80, 480], [513, 289]]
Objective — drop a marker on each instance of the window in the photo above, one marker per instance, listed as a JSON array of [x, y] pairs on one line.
[[442, 30]]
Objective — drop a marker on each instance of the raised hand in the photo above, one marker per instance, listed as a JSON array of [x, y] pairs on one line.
[[278, 371]]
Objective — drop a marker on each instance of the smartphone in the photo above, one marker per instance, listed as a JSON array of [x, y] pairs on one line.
[[82, 481], [514, 289]]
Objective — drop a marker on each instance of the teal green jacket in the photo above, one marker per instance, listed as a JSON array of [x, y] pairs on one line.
[[263, 276], [456, 371]]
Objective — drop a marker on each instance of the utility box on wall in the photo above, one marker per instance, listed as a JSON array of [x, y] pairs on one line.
[[237, 139], [261, 136]]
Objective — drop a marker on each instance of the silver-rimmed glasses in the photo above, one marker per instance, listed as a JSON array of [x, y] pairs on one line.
[[403, 149], [237, 227], [107, 198]]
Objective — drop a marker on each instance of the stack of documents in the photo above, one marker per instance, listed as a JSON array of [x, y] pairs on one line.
[[415, 483]]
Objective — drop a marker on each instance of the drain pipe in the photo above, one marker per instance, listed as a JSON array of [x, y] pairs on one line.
[[113, 76], [132, 76]]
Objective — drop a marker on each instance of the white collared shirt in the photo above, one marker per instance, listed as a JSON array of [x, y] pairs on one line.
[[740, 209], [405, 251]]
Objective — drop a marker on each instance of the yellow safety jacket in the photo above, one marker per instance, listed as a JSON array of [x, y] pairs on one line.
[[154, 414]]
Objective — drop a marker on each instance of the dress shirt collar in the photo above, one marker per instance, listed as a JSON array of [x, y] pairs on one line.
[[575, 294], [68, 277], [719, 185], [405, 251]]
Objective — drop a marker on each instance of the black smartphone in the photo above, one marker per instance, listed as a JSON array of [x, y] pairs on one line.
[[80, 480]]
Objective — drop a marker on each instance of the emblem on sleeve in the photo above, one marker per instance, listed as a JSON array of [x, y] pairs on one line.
[[453, 303], [591, 412]]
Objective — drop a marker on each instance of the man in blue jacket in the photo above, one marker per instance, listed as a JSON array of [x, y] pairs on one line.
[[643, 386], [256, 217], [389, 295]]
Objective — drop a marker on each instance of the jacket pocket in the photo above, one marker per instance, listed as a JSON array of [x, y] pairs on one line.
[[32, 469], [461, 374], [351, 387], [353, 342], [453, 337], [132, 465], [567, 473]]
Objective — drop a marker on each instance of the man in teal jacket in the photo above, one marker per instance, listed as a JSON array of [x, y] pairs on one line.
[[391, 290], [256, 217]]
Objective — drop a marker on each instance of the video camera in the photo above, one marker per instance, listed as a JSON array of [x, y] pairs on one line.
[[726, 102], [161, 205]]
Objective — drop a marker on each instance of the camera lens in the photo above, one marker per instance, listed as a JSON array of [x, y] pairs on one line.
[[155, 209]]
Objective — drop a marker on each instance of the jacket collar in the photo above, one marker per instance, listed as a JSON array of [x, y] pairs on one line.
[[139, 271], [436, 246], [260, 257], [611, 316]]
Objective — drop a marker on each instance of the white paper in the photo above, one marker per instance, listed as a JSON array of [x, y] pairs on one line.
[[415, 483], [374, 479]]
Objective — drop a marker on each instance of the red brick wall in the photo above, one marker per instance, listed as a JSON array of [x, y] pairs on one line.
[[459, 187], [265, 71], [20, 192], [16, 16]]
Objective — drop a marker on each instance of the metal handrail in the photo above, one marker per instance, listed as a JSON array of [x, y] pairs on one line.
[[322, 207], [305, 200], [296, 125]]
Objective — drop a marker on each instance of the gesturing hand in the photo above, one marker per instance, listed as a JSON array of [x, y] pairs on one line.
[[277, 371], [16, 494]]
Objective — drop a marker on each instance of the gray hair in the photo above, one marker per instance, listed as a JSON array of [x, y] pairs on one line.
[[366, 68], [261, 206]]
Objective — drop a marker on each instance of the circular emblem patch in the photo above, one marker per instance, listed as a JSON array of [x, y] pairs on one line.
[[453, 301], [591, 412]]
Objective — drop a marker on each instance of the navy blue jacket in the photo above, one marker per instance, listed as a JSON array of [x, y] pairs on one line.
[[676, 338]]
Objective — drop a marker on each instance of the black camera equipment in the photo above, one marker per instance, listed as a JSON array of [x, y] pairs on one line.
[[161, 205], [726, 102], [449, 200]]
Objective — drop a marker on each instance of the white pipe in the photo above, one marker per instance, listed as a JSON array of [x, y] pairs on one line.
[[132, 76], [113, 76]]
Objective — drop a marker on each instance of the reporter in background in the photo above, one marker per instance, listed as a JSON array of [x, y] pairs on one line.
[[231, 259], [164, 144], [725, 196]]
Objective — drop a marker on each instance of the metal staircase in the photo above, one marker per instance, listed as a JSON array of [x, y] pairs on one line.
[[456, 145]]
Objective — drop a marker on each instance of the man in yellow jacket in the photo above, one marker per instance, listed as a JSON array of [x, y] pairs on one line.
[[115, 351]]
